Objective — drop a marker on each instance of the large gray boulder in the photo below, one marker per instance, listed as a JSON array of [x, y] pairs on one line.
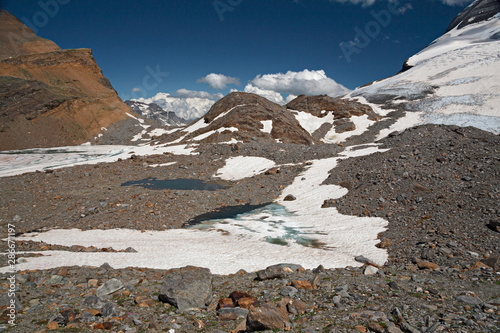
[[187, 287]]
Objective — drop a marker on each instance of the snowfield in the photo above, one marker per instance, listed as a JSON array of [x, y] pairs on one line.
[[454, 81], [294, 231]]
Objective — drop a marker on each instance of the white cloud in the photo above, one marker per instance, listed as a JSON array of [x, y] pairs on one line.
[[364, 3], [297, 83], [273, 96], [187, 104], [184, 93], [136, 89], [290, 98], [455, 2], [367, 3], [218, 81]]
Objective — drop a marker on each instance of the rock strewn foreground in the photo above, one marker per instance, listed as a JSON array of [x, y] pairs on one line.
[[395, 299]]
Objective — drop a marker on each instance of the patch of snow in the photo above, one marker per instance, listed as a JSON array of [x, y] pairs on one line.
[[241, 243], [17, 162], [409, 120], [485, 123], [268, 126], [240, 167], [376, 108], [209, 133], [230, 142], [458, 38], [161, 165], [310, 122], [362, 123], [161, 131]]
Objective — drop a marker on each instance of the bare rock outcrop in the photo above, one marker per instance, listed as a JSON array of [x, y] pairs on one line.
[[50, 97]]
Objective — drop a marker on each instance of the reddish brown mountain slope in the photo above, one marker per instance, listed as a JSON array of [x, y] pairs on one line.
[[48, 96]]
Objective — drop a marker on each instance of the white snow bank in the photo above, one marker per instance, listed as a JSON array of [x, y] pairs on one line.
[[268, 126], [475, 33], [309, 235], [17, 162], [240, 167], [310, 122]]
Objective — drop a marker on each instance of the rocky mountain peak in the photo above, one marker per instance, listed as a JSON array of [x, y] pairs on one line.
[[479, 10], [17, 39], [48, 96]]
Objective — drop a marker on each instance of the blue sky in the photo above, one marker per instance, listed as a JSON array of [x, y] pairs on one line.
[[241, 39]]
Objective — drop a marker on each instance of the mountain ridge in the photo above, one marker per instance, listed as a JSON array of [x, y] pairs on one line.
[[74, 100]]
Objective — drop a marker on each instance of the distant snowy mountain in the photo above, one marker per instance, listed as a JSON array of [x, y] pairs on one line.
[[153, 111], [453, 81], [187, 107]]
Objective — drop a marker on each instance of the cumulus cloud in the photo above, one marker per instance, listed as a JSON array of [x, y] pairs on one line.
[[297, 83], [367, 3], [456, 2], [184, 93], [218, 81], [186, 104], [273, 96]]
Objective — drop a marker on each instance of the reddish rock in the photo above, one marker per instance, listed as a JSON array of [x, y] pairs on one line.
[[266, 317], [296, 306], [225, 303], [360, 328], [248, 302], [198, 324], [69, 315], [384, 243], [376, 327], [302, 284], [427, 265], [237, 295], [93, 312], [145, 302], [92, 283], [228, 316], [53, 325]]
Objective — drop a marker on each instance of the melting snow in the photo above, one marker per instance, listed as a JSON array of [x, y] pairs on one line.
[[240, 167], [268, 126], [312, 235], [16, 162], [311, 123]]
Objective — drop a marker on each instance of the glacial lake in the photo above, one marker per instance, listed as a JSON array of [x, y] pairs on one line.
[[175, 184]]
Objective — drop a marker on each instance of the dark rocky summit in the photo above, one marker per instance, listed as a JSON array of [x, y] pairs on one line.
[[246, 112], [479, 10]]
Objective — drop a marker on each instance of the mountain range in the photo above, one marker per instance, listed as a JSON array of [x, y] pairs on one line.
[[52, 97]]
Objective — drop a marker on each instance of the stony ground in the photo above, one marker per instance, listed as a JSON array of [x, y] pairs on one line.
[[437, 186]]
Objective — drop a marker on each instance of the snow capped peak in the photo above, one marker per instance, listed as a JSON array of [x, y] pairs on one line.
[[459, 37], [187, 104]]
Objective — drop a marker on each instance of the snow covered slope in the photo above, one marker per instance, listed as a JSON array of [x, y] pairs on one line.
[[455, 80], [154, 111]]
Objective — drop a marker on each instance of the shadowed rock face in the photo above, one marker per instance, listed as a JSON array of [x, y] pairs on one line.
[[17, 39], [50, 97], [246, 112], [479, 10], [341, 108]]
